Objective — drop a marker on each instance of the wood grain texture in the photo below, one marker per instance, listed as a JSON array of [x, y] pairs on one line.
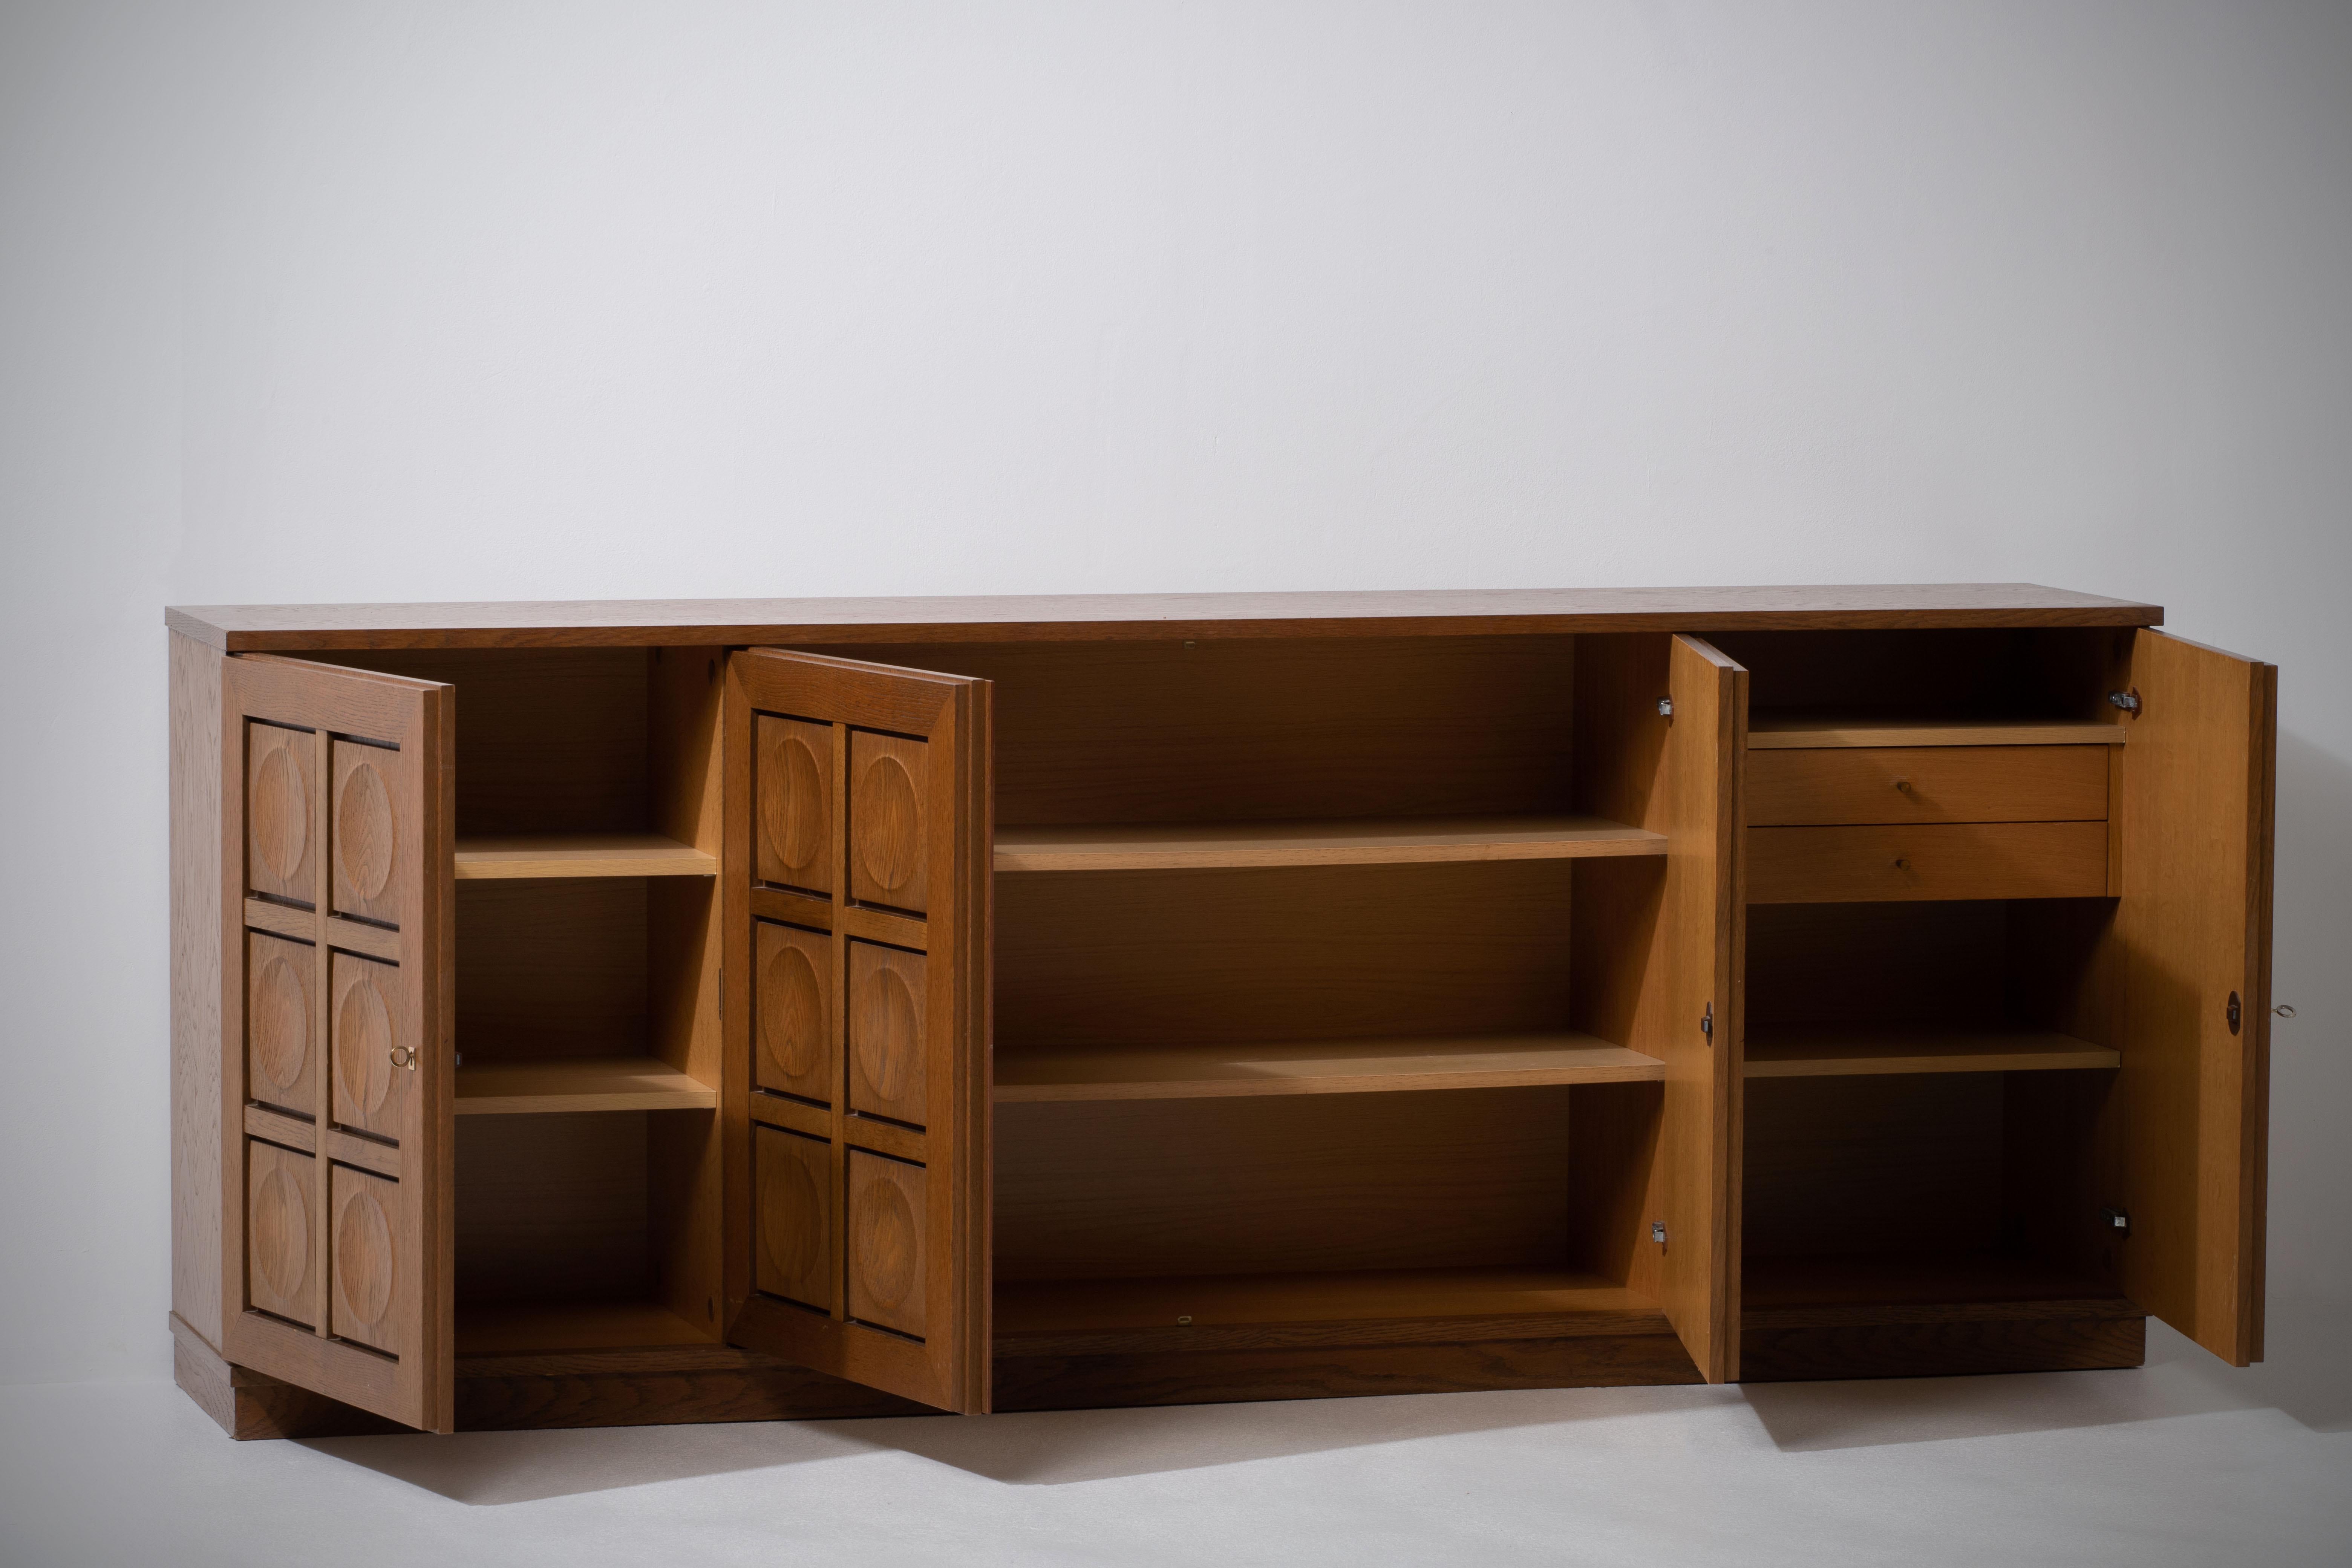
[[376, 1209], [553, 1208], [1392, 842], [1320, 1067], [553, 971], [552, 854], [1927, 783], [1946, 1346], [1082, 617], [903, 1242], [517, 1328], [1786, 1052], [579, 1084], [1152, 1188], [1340, 1370], [2191, 931], [1659, 960], [199, 922], [1803, 732], [1178, 960], [795, 1041], [791, 824], [1943, 861], [795, 1249], [1892, 1166], [281, 1048]]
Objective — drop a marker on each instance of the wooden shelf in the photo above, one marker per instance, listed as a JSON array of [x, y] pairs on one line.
[[547, 855], [1320, 1067], [1106, 1306], [1776, 1284], [592, 1083], [1382, 841], [1808, 731], [1792, 1052], [523, 1329]]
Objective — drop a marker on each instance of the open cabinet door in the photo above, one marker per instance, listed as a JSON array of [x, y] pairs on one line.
[[1675, 770], [2192, 940], [337, 1015], [858, 838]]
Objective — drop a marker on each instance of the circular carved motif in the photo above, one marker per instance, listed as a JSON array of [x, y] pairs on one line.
[[363, 1045], [792, 811], [886, 1032], [280, 1024], [364, 1257], [889, 823], [281, 1233], [791, 1011], [785, 1208], [886, 1244], [280, 810], [364, 833]]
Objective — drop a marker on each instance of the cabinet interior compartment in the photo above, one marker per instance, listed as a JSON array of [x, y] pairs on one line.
[[1995, 677], [587, 950]]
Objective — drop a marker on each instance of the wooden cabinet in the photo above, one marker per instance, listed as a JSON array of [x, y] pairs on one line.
[[600, 1013]]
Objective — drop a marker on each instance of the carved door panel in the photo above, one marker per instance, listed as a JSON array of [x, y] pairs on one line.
[[2193, 935], [859, 842], [336, 1026]]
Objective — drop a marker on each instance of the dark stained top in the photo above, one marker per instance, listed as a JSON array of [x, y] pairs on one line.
[[1076, 617]]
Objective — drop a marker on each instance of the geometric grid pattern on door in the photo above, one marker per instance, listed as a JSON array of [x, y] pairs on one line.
[[863, 824], [335, 1005]]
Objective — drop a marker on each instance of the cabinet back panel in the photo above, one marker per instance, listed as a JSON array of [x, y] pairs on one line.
[[1926, 963], [549, 739], [1141, 1189], [551, 968], [1241, 731], [1868, 1167], [552, 1207], [1180, 958], [2019, 672]]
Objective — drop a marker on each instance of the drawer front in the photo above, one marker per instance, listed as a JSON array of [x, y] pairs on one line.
[[1942, 860], [1839, 785]]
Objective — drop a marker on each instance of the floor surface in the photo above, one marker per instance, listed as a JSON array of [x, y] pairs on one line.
[[2182, 1461]]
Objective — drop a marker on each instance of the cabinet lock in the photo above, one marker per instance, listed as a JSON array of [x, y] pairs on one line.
[[402, 1057], [2235, 1013]]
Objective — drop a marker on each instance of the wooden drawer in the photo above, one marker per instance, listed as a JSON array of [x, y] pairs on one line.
[[1837, 785], [1942, 860]]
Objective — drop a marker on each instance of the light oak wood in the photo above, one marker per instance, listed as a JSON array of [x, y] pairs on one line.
[[1345, 842], [889, 1220], [1163, 617], [1474, 1177], [1319, 1067], [527, 1328], [373, 821], [1788, 731], [1829, 1053], [1935, 860], [1931, 783], [201, 920], [582, 1084], [1209, 1301], [551, 855], [2191, 933]]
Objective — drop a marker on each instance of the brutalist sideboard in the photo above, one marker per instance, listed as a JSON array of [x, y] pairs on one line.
[[592, 1014]]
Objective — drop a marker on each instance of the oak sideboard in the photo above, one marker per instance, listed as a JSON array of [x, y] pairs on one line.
[[607, 1012]]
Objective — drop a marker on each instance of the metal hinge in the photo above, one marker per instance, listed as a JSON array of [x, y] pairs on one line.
[[1706, 1023], [2127, 700], [1666, 707], [2234, 1013], [1658, 1231], [2117, 1219]]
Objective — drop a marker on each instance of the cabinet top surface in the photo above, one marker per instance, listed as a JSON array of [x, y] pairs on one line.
[[1076, 617]]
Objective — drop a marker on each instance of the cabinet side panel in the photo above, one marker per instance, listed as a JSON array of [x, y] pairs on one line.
[[196, 970]]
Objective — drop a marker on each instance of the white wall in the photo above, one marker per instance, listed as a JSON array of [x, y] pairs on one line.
[[322, 301]]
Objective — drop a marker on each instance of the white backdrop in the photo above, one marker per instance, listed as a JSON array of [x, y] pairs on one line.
[[320, 302]]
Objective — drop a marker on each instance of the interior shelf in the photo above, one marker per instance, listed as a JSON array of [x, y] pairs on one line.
[[551, 855], [538, 1327], [1366, 841], [1064, 1306], [1768, 1284], [1319, 1067], [1810, 732], [1797, 1051], [579, 1084]]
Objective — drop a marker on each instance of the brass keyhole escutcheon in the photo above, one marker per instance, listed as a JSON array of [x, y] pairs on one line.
[[402, 1057]]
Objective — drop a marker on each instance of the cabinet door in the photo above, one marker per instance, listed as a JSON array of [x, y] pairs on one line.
[[859, 831], [337, 1020], [2193, 938]]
